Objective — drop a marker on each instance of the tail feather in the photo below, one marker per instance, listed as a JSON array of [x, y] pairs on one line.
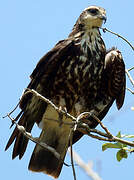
[[20, 146], [43, 160], [53, 134], [20, 140], [15, 132], [12, 138]]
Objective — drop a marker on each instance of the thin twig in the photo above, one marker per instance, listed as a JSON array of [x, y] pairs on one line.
[[109, 136], [110, 139], [86, 130], [80, 125], [105, 29], [130, 69], [129, 143], [130, 90], [102, 125], [98, 120], [71, 150], [100, 138], [84, 127], [11, 111], [130, 77]]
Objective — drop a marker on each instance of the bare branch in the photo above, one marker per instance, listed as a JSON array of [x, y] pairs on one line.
[[86, 115], [105, 29], [102, 125], [11, 111], [130, 90], [83, 127], [76, 124], [108, 136], [130, 77], [130, 69], [71, 151], [129, 143]]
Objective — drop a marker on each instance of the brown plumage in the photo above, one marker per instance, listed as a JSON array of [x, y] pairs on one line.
[[77, 74]]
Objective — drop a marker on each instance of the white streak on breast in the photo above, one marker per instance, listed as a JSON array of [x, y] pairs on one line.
[[91, 38], [85, 70]]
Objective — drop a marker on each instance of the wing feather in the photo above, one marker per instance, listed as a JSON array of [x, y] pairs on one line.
[[41, 80], [112, 88], [115, 72]]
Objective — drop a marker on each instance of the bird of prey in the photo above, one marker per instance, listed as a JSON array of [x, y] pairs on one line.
[[79, 75]]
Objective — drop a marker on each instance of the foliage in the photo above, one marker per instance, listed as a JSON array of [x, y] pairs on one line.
[[123, 148]]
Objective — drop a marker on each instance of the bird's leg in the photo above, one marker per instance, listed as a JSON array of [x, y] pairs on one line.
[[60, 118]]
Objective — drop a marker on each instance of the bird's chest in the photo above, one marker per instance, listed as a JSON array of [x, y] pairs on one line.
[[82, 72], [79, 75]]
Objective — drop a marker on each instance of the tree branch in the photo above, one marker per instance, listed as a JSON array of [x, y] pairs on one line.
[[77, 124], [11, 111], [83, 127], [130, 69], [71, 152], [130, 77], [130, 90], [105, 29]]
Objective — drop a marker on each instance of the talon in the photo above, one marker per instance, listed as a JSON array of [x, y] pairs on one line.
[[65, 110], [61, 115]]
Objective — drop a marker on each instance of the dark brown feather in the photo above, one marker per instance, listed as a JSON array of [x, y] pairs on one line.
[[115, 70]]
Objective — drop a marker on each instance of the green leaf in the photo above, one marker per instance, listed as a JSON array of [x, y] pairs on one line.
[[111, 145], [119, 134], [123, 146], [121, 154], [131, 150]]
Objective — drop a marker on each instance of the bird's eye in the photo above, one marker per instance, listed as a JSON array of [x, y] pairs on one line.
[[93, 11]]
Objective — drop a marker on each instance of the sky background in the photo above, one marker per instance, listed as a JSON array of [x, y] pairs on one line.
[[30, 28]]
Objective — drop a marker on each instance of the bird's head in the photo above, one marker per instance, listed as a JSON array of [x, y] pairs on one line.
[[91, 17]]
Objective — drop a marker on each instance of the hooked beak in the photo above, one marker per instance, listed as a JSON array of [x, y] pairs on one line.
[[104, 18]]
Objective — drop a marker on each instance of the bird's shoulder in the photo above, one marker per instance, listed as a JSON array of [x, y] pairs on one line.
[[53, 57]]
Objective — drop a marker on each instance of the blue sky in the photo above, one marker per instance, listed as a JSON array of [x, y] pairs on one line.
[[28, 30]]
